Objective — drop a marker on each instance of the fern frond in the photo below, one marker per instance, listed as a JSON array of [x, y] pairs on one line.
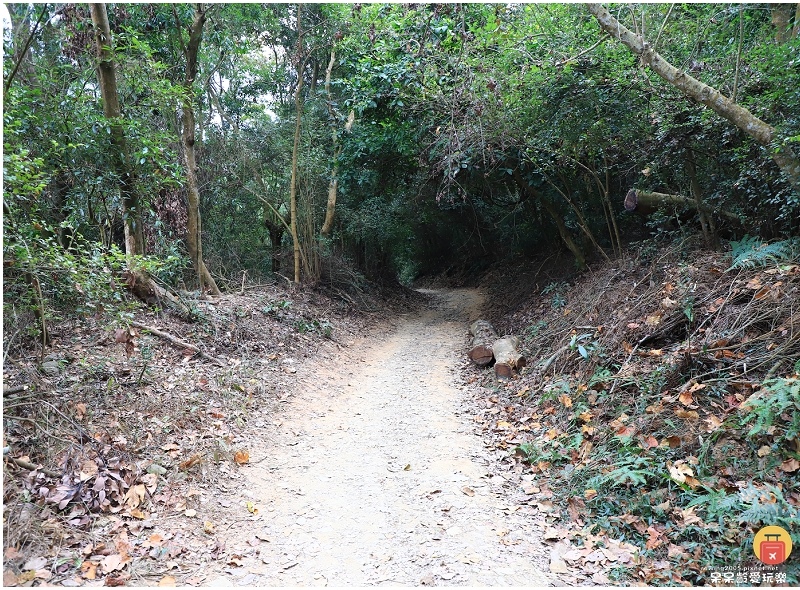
[[750, 252]]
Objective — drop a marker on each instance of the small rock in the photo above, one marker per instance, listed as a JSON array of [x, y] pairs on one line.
[[247, 580], [157, 469], [51, 368]]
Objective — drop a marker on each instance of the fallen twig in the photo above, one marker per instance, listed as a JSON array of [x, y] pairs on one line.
[[177, 341], [31, 467], [13, 389]]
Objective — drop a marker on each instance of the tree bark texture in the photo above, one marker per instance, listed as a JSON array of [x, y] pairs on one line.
[[760, 131], [706, 219], [106, 77], [194, 223], [507, 356], [487, 347], [781, 17], [333, 184], [483, 335], [275, 228], [646, 202], [298, 109]]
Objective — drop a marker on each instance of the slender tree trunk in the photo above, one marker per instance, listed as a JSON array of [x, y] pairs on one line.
[[706, 219], [275, 238], [580, 259], [529, 191], [333, 184], [298, 109], [131, 214], [762, 132], [796, 28], [581, 221], [193, 223]]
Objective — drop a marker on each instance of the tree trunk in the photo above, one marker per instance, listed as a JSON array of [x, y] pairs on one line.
[[646, 202], [298, 109], [193, 223], [275, 238], [131, 214], [781, 16], [580, 259], [706, 219], [507, 356], [333, 184], [762, 132], [796, 28], [528, 190], [483, 335]]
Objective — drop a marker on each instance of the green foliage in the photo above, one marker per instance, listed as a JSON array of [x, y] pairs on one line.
[[582, 344], [276, 307], [557, 290], [766, 505], [751, 252], [630, 471], [322, 327], [774, 410]]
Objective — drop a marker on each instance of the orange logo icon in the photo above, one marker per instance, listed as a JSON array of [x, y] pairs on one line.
[[772, 545]]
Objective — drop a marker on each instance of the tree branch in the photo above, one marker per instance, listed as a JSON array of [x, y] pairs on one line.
[[24, 50]]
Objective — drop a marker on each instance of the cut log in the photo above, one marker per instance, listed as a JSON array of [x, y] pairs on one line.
[[646, 202], [147, 290], [483, 335], [507, 356]]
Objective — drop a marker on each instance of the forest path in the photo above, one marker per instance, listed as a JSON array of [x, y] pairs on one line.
[[374, 475]]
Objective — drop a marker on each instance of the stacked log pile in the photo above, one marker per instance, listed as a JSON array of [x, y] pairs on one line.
[[488, 347]]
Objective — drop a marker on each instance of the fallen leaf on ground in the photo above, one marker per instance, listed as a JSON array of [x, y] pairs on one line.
[[468, 491], [168, 581], [136, 513], [26, 577], [790, 465], [89, 570], [241, 457], [112, 563], [655, 539], [35, 563], [649, 442], [679, 471], [714, 423], [191, 461], [552, 535]]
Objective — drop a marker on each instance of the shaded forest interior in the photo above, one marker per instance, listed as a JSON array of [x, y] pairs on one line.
[[337, 144], [157, 156]]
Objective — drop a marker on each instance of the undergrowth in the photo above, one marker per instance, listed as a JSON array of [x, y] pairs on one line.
[[664, 408]]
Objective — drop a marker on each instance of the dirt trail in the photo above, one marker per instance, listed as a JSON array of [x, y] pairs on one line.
[[370, 473]]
